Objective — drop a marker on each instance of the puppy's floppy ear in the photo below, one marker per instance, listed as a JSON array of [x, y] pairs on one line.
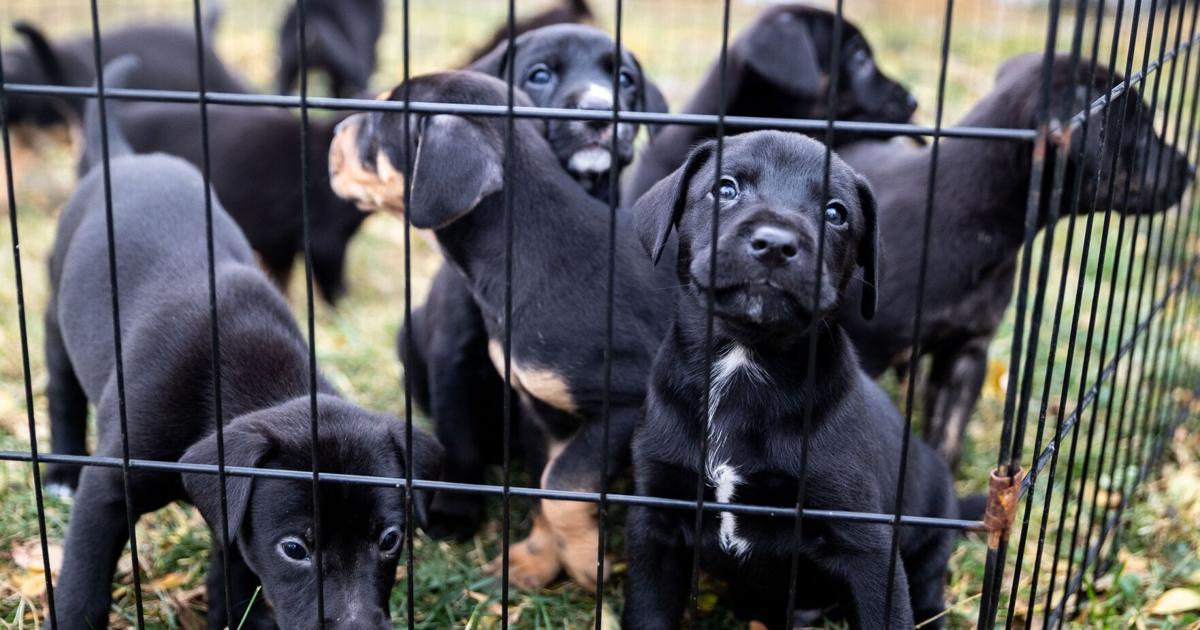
[[457, 165], [649, 97], [782, 51], [496, 62], [868, 247], [659, 209], [247, 445], [427, 456]]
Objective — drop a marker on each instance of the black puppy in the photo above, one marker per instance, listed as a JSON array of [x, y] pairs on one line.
[[159, 225], [557, 296], [255, 162], [780, 67], [765, 303], [566, 66], [980, 196], [567, 12], [340, 40], [169, 63]]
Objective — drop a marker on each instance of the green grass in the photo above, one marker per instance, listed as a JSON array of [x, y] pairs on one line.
[[677, 39]]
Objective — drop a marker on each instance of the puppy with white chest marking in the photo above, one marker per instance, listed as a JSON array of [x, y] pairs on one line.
[[766, 307], [158, 236]]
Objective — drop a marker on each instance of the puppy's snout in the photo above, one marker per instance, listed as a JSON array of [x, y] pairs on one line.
[[596, 97], [774, 246]]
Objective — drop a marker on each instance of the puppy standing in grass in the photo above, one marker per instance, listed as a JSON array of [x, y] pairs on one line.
[[159, 232], [771, 213]]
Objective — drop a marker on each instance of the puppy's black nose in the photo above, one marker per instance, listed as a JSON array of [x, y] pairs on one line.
[[774, 246]]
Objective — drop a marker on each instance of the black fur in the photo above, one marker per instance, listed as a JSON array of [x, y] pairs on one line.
[[255, 161], [765, 306], [341, 38], [448, 329], [567, 12], [159, 225], [978, 226], [779, 67], [558, 304], [167, 51]]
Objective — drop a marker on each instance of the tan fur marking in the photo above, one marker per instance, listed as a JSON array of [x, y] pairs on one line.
[[758, 625], [532, 563], [545, 385], [577, 535], [382, 189]]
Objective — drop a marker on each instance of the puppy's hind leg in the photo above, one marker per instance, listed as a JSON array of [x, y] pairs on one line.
[[68, 411], [578, 467], [955, 381]]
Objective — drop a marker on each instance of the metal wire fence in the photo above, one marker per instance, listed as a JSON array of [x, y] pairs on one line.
[[1099, 370]]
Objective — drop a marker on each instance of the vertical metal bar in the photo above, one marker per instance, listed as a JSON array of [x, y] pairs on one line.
[[918, 315], [1009, 451], [509, 131], [406, 131], [1071, 345], [722, 90], [35, 463], [314, 414], [606, 402], [215, 340], [835, 51], [130, 516]]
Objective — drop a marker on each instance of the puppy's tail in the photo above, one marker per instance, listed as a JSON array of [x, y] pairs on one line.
[[41, 49], [972, 507], [116, 75]]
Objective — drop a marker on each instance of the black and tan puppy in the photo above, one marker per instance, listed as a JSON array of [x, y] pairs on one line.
[[341, 37], [558, 304], [159, 234], [255, 169], [780, 67], [765, 305], [566, 12], [566, 66], [978, 221], [168, 52]]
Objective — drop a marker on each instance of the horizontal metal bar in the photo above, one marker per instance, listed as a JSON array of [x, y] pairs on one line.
[[1093, 392], [546, 113], [1120, 88], [466, 488]]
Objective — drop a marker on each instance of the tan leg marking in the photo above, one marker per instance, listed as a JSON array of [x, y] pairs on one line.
[[543, 384], [532, 563], [577, 536]]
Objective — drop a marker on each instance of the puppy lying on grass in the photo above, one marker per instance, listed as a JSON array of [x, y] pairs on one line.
[[158, 232]]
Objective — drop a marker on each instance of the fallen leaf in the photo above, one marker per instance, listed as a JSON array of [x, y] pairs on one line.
[[28, 555], [30, 585], [168, 581], [1174, 601]]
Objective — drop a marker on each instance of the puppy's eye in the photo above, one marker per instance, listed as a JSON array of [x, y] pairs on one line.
[[835, 213], [860, 58], [727, 190], [389, 541], [293, 549], [625, 78], [540, 75]]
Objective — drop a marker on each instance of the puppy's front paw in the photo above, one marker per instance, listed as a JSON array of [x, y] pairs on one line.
[[61, 481], [530, 565]]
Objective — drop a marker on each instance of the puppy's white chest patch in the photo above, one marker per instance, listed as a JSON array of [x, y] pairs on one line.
[[721, 474]]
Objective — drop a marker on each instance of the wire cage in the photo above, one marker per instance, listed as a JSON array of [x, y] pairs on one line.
[[1095, 368]]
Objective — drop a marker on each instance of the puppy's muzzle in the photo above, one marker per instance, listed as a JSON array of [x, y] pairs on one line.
[[370, 187]]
